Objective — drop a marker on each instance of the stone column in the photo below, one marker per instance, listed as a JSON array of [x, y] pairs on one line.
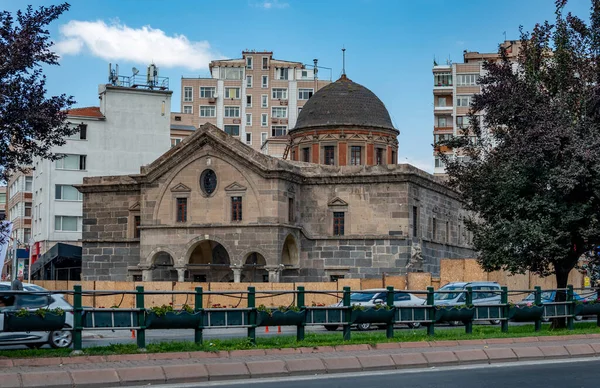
[[147, 274], [237, 274], [273, 274], [180, 274]]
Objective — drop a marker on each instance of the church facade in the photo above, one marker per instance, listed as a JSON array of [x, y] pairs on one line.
[[214, 209]]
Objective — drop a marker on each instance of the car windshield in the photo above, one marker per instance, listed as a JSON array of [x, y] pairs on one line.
[[449, 295], [362, 297], [33, 287], [547, 295]]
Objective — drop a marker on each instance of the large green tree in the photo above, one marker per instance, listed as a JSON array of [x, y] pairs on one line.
[[531, 172]]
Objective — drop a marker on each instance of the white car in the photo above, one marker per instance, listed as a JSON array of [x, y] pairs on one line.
[[57, 339], [371, 297]]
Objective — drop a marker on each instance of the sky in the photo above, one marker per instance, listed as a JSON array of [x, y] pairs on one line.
[[390, 44]]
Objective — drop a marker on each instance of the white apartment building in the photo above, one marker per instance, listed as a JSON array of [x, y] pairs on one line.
[[129, 128]]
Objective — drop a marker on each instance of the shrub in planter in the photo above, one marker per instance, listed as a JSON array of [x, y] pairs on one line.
[[525, 312], [281, 316], [380, 313], [165, 317], [461, 313], [43, 319]]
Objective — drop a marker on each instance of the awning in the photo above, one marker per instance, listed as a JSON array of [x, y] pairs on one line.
[[60, 255]]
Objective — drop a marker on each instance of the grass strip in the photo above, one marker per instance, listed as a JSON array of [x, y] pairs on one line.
[[312, 340]]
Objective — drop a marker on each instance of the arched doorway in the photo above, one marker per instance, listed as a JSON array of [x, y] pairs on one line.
[[254, 269], [209, 262], [289, 255], [162, 267]]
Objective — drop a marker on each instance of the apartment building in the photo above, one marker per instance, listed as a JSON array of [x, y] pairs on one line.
[[454, 85], [19, 201], [252, 98], [129, 128], [3, 204]]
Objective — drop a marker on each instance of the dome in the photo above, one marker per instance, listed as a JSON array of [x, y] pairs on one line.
[[344, 103]]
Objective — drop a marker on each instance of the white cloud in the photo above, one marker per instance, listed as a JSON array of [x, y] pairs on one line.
[[117, 41], [271, 4]]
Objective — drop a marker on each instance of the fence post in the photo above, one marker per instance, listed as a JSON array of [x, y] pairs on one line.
[[505, 308], [300, 328], [198, 309], [77, 315], [469, 323], [347, 314], [571, 307], [139, 305], [598, 301], [389, 328], [538, 302], [252, 315], [431, 310]]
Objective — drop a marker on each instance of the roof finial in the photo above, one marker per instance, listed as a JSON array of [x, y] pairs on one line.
[[343, 61]]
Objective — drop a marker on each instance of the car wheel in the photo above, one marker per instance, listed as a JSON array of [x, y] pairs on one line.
[[331, 327], [454, 323], [414, 325], [34, 346], [545, 319], [578, 317], [61, 339], [363, 326], [495, 322]]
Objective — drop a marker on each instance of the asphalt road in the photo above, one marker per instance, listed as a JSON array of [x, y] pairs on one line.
[[547, 374]]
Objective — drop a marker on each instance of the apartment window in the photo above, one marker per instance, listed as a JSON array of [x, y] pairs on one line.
[[263, 137], [355, 155], [463, 101], [67, 223], [81, 133], [233, 93], [177, 118], [175, 141], [306, 154], [208, 111], [467, 79], [279, 112], [27, 235], [290, 210], [439, 163], [264, 118], [329, 155], [279, 94], [434, 229], [234, 73], [248, 119], [188, 94], [67, 193], [181, 209], [137, 220], [338, 223], [233, 130], [442, 79], [278, 130], [265, 63], [207, 91], [248, 81], [264, 101], [248, 138], [415, 229], [29, 184], [379, 156], [441, 102], [187, 109], [462, 121], [265, 81], [304, 74], [305, 94], [282, 73], [232, 111], [442, 122], [236, 208], [249, 63], [71, 162], [27, 209], [442, 137]]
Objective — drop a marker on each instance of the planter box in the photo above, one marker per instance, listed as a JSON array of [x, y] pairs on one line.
[[454, 314], [173, 320], [587, 309], [280, 318], [525, 313], [110, 319], [370, 315], [34, 322]]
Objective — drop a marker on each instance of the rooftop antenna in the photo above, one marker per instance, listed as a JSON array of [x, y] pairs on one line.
[[505, 36], [343, 60]]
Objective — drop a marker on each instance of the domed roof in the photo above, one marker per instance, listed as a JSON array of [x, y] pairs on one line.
[[344, 103]]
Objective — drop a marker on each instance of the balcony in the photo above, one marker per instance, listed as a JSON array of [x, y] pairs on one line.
[[444, 108]]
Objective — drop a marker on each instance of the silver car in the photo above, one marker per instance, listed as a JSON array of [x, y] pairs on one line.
[[57, 339], [488, 293]]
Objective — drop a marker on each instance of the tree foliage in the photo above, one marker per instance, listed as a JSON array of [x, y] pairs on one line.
[[31, 123], [532, 176]]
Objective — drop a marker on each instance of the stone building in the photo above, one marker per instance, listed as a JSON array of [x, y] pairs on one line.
[[215, 209]]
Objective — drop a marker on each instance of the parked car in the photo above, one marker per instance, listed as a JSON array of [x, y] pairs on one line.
[[490, 294], [372, 297], [56, 339], [550, 296]]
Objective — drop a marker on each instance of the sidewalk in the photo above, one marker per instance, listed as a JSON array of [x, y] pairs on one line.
[[158, 368]]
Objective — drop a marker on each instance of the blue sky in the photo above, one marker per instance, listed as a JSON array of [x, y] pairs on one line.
[[390, 43]]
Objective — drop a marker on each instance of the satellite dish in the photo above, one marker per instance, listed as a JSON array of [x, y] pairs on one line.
[[135, 71]]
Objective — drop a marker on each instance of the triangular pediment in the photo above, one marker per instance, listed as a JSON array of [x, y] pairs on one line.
[[135, 207], [235, 187], [180, 188], [291, 189], [337, 201]]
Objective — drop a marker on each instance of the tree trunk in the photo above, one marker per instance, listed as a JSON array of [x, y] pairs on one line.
[[562, 278]]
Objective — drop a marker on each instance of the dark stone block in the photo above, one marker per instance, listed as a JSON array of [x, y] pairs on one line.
[[89, 221], [369, 242], [347, 248], [325, 255], [341, 254]]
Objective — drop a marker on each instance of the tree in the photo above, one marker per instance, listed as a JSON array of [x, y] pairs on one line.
[[31, 124], [531, 172]]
